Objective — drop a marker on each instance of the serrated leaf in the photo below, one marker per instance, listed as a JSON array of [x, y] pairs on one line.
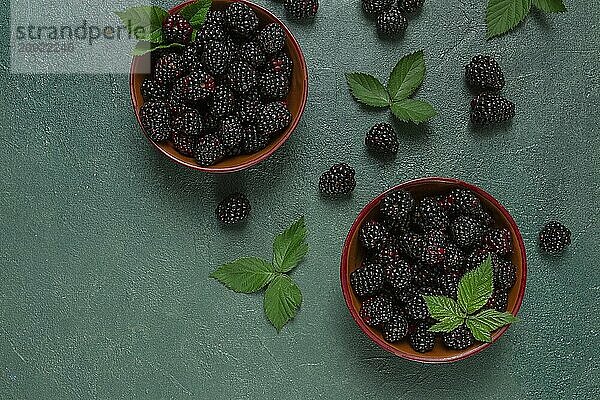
[[493, 319], [282, 300], [475, 287], [410, 110], [551, 6], [368, 90], [407, 76], [504, 15], [290, 247], [245, 275], [196, 12], [144, 22], [447, 324], [479, 331], [143, 47], [441, 307]]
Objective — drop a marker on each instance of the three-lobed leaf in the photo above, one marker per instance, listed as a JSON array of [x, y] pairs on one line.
[[441, 307], [475, 287], [407, 76], [282, 300], [144, 22], [368, 90], [411, 110], [290, 247], [551, 6], [142, 47], [447, 324], [196, 12], [245, 275], [504, 15]]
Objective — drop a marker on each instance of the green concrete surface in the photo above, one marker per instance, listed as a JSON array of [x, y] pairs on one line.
[[106, 245]]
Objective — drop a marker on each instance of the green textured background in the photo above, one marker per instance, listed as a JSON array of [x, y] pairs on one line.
[[106, 246]]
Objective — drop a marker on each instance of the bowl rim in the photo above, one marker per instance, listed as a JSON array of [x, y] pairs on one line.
[[281, 139], [346, 284]]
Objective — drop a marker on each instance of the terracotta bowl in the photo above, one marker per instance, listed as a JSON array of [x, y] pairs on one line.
[[296, 99], [353, 254]]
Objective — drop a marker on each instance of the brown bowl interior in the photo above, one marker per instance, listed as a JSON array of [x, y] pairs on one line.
[[353, 256], [295, 101]]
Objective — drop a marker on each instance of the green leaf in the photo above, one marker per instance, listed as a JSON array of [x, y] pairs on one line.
[[245, 275], [282, 299], [504, 15], [410, 110], [479, 331], [144, 22], [447, 324], [290, 247], [142, 47], [441, 307], [551, 6], [493, 319], [407, 76], [475, 287], [368, 90], [196, 12]]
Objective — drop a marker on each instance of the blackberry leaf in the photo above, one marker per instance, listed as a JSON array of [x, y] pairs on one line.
[[368, 90], [504, 15], [282, 300], [290, 247], [245, 275], [476, 287], [441, 307], [410, 110], [196, 12], [493, 319], [479, 330], [447, 324], [144, 22], [551, 6], [407, 76]]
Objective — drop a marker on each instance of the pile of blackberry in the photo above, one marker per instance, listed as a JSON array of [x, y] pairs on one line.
[[391, 14], [223, 94], [418, 247]]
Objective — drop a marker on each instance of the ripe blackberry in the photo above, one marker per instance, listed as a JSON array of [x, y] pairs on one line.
[[376, 6], [395, 329], [367, 280], [197, 86], [253, 141], [280, 64], [376, 310], [398, 274], [213, 27], [190, 58], [176, 99], [483, 72], [177, 29], [454, 259], [167, 69], [554, 237], [241, 77], [233, 209], [448, 283], [271, 38], [391, 22], [416, 308], [272, 86], [209, 150], [152, 91], [373, 235], [412, 244], [387, 253], [478, 256], [458, 339], [248, 107], [382, 139], [301, 9], [252, 54], [498, 301], [156, 120], [231, 135], [466, 231], [337, 180], [433, 255], [222, 102], [425, 275], [184, 144], [421, 339], [499, 241], [430, 215], [188, 123], [273, 118], [490, 108], [216, 57], [460, 201], [505, 275], [483, 216], [241, 19], [410, 6]]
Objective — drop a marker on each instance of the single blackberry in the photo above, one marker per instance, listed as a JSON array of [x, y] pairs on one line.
[[505, 275], [301, 9], [167, 69], [188, 123], [248, 107], [400, 296], [490, 108], [252, 140], [435, 237], [376, 6], [222, 102], [271, 38], [458, 339], [554, 237], [460, 201], [241, 77], [416, 308], [412, 244], [273, 118], [272, 86], [498, 301], [233, 209], [421, 339], [177, 29], [216, 57], [156, 120], [373, 235], [430, 215], [391, 22], [466, 231], [382, 139], [231, 135], [176, 99], [398, 274], [252, 54], [395, 329], [213, 27], [337, 180], [483, 72], [184, 144], [410, 6], [367, 280], [483, 216], [376, 310], [448, 283], [190, 58], [209, 150], [152, 91], [433, 255], [388, 253], [280, 64], [478, 256], [241, 19], [499, 241], [197, 86], [454, 259]]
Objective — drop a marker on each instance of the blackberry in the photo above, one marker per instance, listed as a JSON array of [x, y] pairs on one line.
[[156, 120], [435, 237], [231, 136], [252, 140], [376, 6], [433, 255], [233, 209], [176, 99], [367, 280], [466, 231], [448, 283], [188, 123], [431, 290], [412, 244], [252, 54], [483, 72], [337, 180], [209, 150], [247, 107], [416, 308], [395, 329], [197, 86], [554, 237], [396, 207], [280, 64], [373, 235], [498, 301], [376, 310], [505, 275], [391, 22], [152, 90], [177, 29], [184, 144], [481, 215], [241, 77], [213, 27], [410, 6], [216, 57], [398, 274], [382, 139], [273, 118], [460, 201], [387, 254], [454, 259], [499, 241], [490, 108], [271, 38], [272, 86], [458, 339], [301, 9], [430, 215], [421, 339], [190, 59], [478, 256], [167, 69], [425, 275], [241, 19], [222, 102]]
